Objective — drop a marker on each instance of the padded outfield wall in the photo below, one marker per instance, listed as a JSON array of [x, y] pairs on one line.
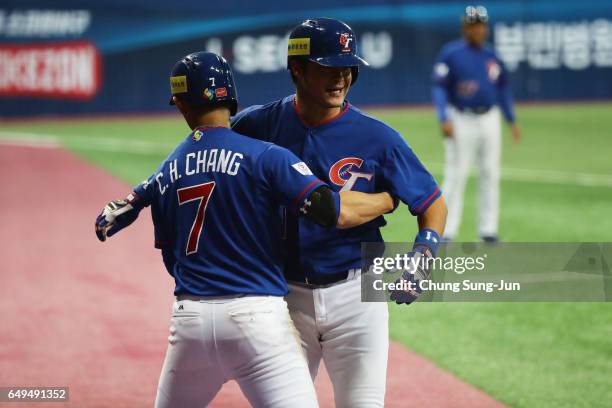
[[114, 57]]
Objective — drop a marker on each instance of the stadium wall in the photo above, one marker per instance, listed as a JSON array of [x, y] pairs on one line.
[[115, 56]]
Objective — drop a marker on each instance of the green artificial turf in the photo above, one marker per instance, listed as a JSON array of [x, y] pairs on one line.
[[556, 187]]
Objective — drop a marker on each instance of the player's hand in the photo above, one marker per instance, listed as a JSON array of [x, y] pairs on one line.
[[447, 129], [117, 215], [516, 133], [418, 269]]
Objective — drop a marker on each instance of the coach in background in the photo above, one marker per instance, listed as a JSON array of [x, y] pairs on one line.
[[470, 78]]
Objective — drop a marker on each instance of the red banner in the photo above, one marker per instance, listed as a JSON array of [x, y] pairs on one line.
[[57, 70]]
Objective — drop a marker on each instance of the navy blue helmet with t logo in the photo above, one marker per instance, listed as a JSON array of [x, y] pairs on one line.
[[326, 41], [204, 78]]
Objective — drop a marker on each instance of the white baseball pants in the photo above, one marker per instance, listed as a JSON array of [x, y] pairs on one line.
[[351, 336], [476, 140], [250, 339]]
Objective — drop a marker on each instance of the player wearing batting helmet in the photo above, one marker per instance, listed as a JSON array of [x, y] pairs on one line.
[[470, 82], [215, 203], [351, 152]]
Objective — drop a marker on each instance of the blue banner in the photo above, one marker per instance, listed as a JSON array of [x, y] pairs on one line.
[[112, 56]]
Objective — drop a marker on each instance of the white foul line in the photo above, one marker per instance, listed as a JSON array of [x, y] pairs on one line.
[[92, 143]]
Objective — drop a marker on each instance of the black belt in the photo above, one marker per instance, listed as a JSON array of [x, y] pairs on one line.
[[321, 281], [478, 110]]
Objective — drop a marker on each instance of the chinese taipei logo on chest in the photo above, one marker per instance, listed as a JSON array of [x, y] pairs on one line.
[[345, 173]]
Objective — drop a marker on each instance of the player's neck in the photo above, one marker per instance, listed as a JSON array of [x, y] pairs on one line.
[[313, 114], [211, 118], [474, 44]]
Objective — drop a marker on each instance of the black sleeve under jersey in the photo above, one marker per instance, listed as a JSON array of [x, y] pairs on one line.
[[320, 207]]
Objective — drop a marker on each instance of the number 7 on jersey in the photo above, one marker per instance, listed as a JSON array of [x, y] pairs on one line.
[[201, 193]]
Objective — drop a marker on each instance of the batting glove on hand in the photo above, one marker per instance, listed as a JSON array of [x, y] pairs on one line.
[[416, 271], [117, 215], [418, 268]]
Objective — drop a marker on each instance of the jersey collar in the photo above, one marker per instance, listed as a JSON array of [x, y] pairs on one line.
[[347, 104], [198, 132], [473, 47]]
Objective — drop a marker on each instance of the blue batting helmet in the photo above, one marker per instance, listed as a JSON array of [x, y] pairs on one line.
[[204, 78], [325, 41]]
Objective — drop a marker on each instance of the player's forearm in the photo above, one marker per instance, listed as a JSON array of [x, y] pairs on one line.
[[434, 217], [357, 208]]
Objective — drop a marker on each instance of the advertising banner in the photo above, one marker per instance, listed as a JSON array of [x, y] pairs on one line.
[[115, 57]]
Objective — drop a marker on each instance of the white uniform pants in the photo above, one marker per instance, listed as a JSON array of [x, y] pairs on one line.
[[250, 339], [476, 140], [351, 336]]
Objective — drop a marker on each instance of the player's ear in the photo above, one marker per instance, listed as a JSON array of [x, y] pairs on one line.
[[183, 108], [296, 69], [179, 104]]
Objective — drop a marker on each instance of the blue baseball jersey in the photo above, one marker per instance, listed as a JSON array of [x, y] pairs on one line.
[[469, 77], [351, 152], [215, 203]]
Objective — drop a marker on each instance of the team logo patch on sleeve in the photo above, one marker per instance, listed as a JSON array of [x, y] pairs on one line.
[[441, 70], [302, 168]]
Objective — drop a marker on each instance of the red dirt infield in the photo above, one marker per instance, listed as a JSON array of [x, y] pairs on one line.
[[93, 317]]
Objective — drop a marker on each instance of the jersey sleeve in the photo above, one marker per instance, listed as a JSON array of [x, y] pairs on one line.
[[149, 192], [287, 177], [145, 190], [441, 70], [248, 122], [440, 98], [440, 79], [405, 177], [505, 94], [149, 189]]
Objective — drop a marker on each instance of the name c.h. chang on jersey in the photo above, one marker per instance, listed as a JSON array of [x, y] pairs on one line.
[[202, 161], [215, 203]]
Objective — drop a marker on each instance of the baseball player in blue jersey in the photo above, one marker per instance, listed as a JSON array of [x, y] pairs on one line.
[[351, 152], [215, 203], [470, 82]]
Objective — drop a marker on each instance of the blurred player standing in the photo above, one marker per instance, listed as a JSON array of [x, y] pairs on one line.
[[470, 78], [215, 207], [351, 151]]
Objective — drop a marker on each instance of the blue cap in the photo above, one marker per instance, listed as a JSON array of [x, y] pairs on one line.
[[204, 78], [475, 14]]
